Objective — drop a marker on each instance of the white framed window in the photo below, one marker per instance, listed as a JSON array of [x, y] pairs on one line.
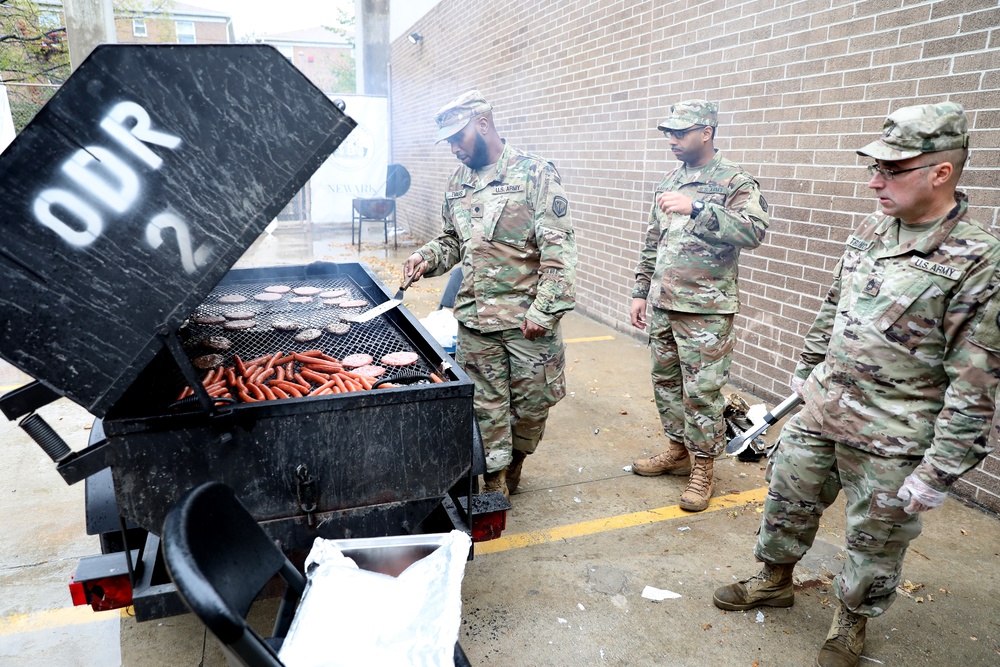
[[185, 32], [139, 27]]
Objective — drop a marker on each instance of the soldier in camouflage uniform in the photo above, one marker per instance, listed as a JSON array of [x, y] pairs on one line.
[[898, 379], [506, 219], [703, 213]]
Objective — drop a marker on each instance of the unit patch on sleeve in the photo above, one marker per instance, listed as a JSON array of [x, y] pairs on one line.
[[987, 331], [763, 204], [560, 206]]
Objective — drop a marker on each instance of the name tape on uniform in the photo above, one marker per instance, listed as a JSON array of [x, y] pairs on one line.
[[858, 243], [455, 194], [937, 269]]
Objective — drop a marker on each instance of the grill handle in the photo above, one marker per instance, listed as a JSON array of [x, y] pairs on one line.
[[403, 379], [46, 438]]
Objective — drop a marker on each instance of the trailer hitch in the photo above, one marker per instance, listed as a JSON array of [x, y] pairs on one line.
[[306, 491]]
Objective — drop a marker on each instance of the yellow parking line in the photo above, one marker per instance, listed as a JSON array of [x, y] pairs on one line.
[[54, 618], [590, 339], [521, 540]]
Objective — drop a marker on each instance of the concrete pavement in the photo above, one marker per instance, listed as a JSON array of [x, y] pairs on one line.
[[564, 584]]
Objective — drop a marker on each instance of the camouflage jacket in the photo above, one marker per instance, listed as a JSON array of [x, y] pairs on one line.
[[694, 262], [904, 356], [514, 237]]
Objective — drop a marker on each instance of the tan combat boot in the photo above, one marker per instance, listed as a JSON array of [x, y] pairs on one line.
[[771, 587], [514, 470], [845, 641], [496, 481], [674, 461], [699, 489]]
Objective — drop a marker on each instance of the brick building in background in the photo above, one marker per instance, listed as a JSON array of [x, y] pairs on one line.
[[163, 22], [800, 85], [173, 23], [325, 57]]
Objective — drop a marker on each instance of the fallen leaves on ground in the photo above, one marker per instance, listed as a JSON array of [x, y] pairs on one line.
[[908, 588]]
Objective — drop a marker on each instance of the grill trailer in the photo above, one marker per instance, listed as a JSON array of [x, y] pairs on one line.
[[130, 197]]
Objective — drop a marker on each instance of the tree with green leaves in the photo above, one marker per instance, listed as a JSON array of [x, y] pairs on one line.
[[345, 69], [33, 45]]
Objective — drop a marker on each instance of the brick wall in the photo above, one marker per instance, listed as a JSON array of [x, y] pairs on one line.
[[164, 31], [800, 86]]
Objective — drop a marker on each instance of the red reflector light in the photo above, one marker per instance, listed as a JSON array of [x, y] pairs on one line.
[[102, 594], [488, 526], [78, 594]]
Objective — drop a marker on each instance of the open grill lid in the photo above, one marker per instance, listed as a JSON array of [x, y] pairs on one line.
[[134, 191]]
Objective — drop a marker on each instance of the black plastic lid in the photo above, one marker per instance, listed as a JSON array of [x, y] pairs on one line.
[[134, 191]]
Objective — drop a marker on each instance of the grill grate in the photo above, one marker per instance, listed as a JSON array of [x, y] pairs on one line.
[[376, 337]]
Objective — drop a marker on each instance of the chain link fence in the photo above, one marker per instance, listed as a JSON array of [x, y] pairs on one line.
[[26, 99]]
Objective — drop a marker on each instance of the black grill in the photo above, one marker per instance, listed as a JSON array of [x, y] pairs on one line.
[[218, 139]]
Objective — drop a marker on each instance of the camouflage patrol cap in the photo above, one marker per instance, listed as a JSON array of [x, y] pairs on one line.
[[456, 114], [691, 112], [924, 128]]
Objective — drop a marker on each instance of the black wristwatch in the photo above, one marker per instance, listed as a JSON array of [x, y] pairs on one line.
[[697, 206]]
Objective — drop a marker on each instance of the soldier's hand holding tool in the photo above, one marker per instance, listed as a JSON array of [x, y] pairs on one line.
[[797, 385], [920, 496], [415, 265]]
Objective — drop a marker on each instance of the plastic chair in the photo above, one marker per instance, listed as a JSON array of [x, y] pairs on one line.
[[219, 558]]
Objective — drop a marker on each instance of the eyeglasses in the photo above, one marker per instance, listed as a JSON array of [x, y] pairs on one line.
[[679, 134], [889, 174]]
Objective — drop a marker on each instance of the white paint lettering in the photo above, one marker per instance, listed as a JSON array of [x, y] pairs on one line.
[[83, 168], [93, 225], [141, 132], [190, 259]]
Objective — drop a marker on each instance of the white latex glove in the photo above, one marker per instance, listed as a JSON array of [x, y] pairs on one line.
[[918, 496], [797, 385]]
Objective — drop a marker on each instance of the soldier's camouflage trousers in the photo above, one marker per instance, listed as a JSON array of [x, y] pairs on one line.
[[690, 365], [516, 382], [805, 475]]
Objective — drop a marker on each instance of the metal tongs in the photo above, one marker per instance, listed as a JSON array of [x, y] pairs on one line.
[[741, 442]]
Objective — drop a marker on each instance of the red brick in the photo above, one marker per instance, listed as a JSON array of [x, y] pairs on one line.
[[800, 84]]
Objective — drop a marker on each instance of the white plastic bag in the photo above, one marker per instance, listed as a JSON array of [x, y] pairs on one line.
[[442, 326], [350, 616]]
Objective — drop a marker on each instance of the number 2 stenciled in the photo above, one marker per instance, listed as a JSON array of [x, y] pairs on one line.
[[191, 259]]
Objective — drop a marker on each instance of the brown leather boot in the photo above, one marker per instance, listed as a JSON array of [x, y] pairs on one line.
[[514, 470], [674, 461], [496, 481], [700, 485], [771, 587], [845, 641]]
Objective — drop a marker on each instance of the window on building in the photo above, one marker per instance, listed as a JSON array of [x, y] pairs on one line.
[[185, 32], [139, 27]]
